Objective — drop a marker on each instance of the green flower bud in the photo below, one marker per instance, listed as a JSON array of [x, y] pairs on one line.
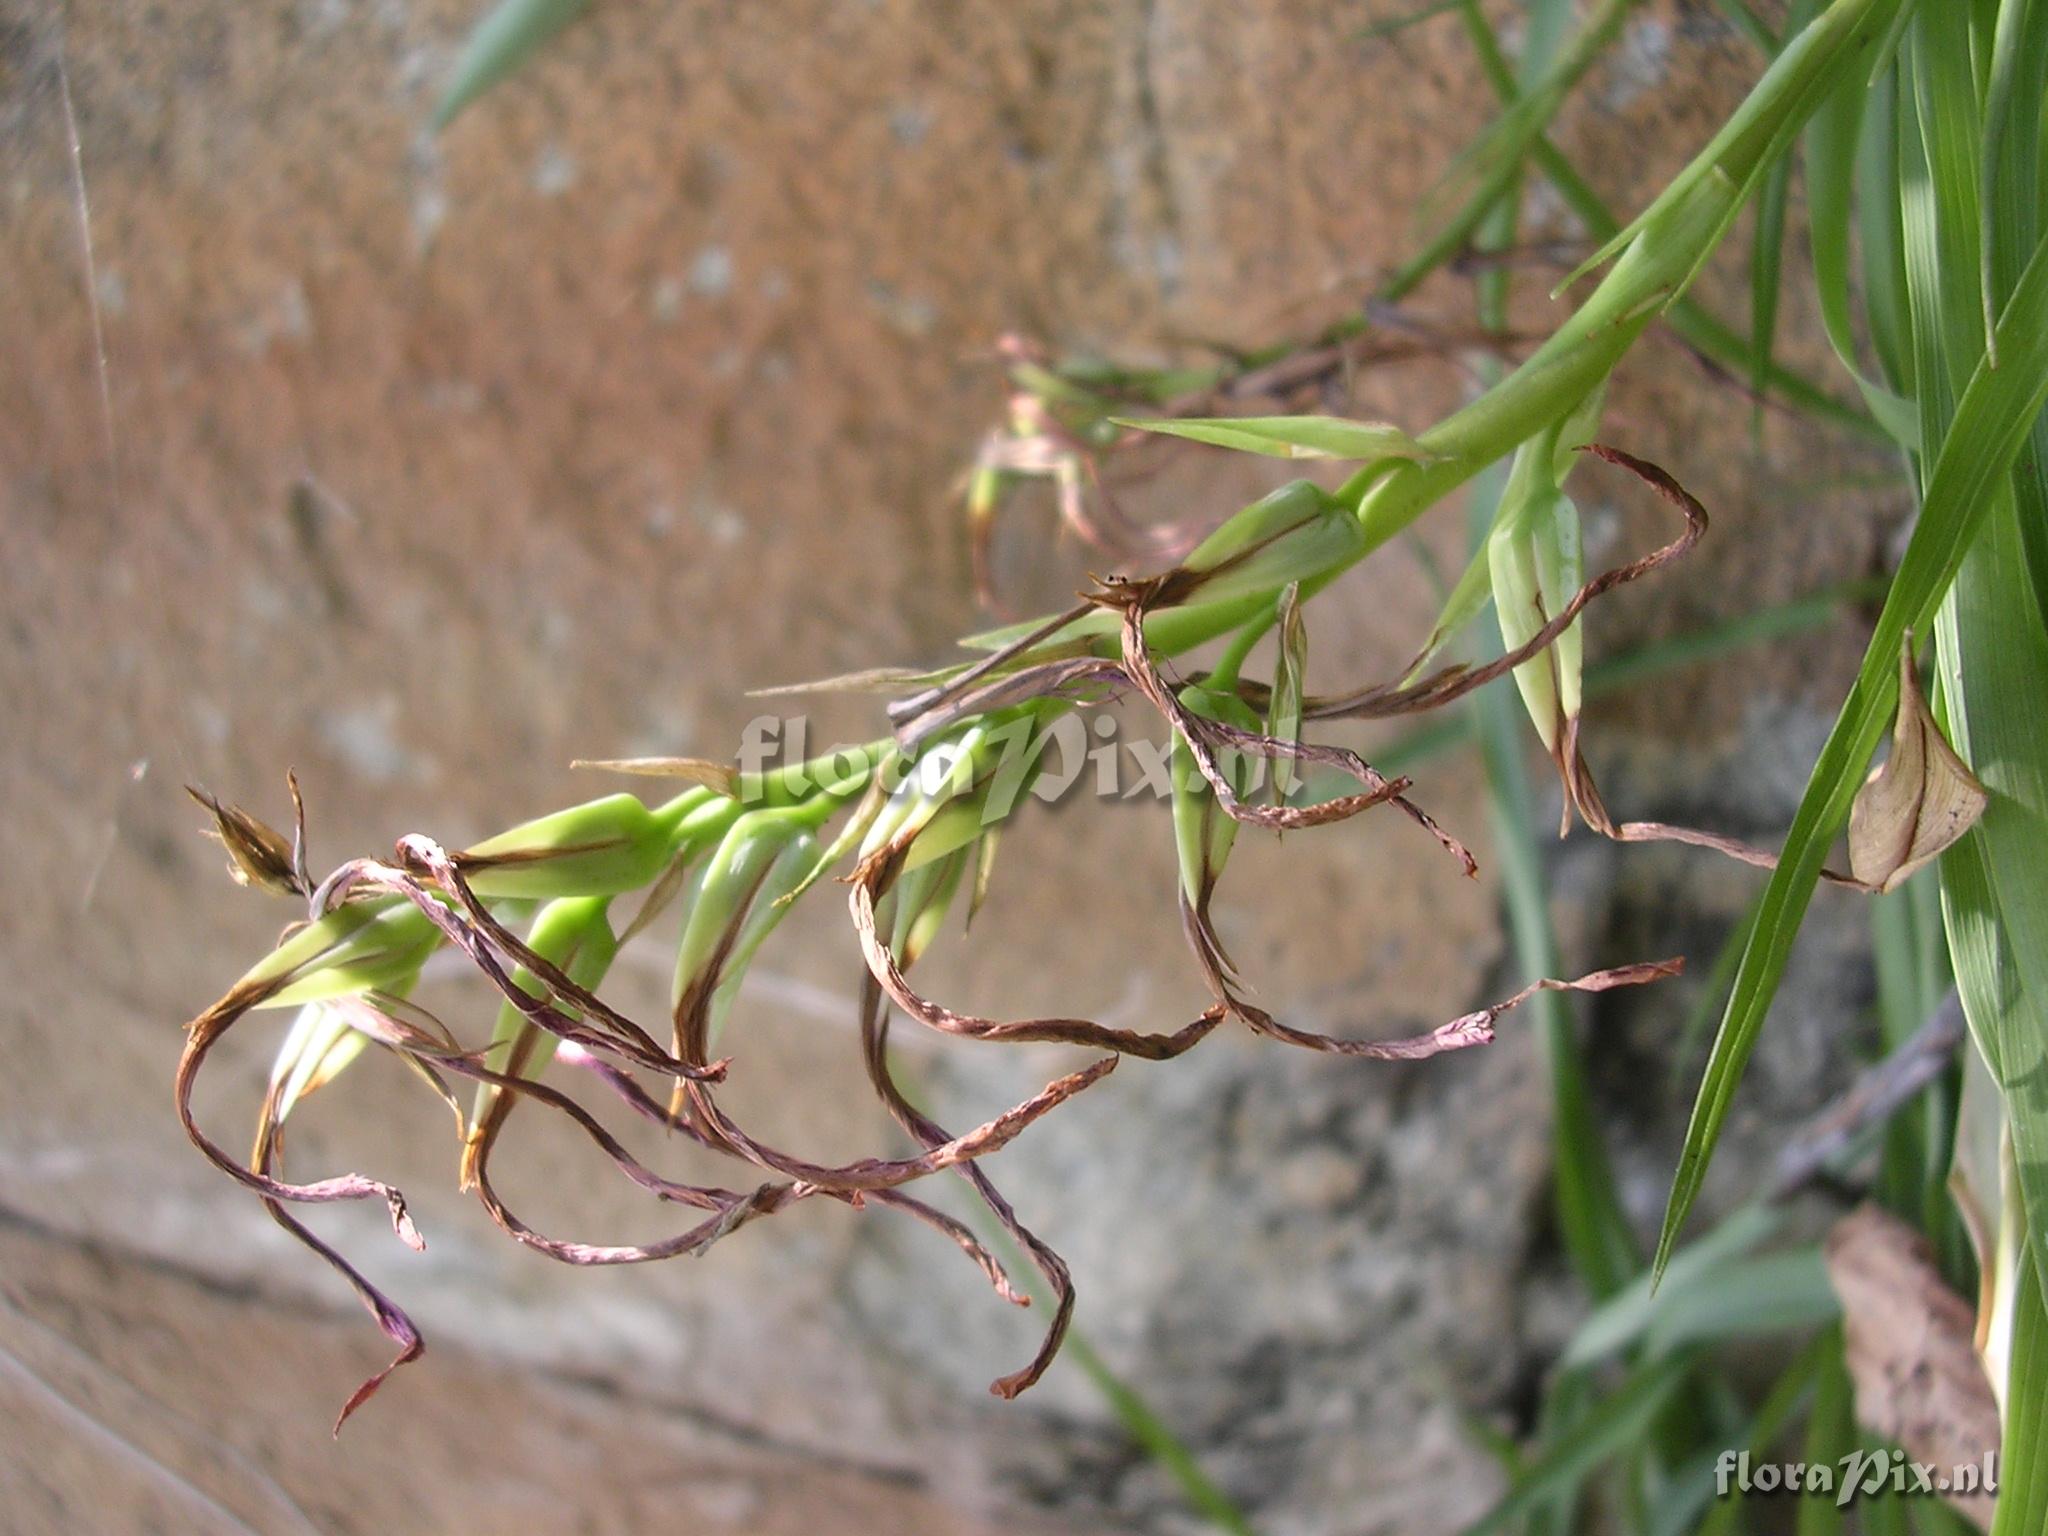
[[1537, 563], [599, 848], [575, 935], [922, 899], [1292, 534], [735, 901], [358, 946], [949, 769], [318, 1048], [1290, 673], [1203, 831]]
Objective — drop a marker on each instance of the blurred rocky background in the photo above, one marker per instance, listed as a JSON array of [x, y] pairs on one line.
[[425, 465]]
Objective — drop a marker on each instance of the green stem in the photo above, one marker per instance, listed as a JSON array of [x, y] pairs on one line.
[[1223, 675]]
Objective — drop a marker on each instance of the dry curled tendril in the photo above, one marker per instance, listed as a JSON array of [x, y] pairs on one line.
[[615, 1067]]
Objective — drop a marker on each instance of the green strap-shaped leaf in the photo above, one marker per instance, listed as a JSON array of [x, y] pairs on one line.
[[1693, 324], [1730, 1515], [2023, 1458], [1994, 671], [1632, 1311], [502, 41], [1992, 419], [1487, 167], [1832, 141], [1289, 437], [1618, 1422]]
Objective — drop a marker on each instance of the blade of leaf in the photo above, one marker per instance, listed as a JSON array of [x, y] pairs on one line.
[[1767, 247], [2023, 1458], [1992, 419], [1779, 1405], [1632, 1311], [1990, 638], [502, 42], [1617, 1422], [1288, 437], [1697, 328], [1832, 143], [1775, 1293]]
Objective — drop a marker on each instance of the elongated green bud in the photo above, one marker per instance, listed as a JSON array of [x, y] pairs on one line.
[[1203, 832], [1291, 534], [1290, 672], [922, 898], [1537, 565], [360, 945], [721, 890], [849, 837], [766, 910], [317, 1049], [575, 935], [999, 760], [599, 848], [940, 801], [1560, 572], [735, 901], [956, 824]]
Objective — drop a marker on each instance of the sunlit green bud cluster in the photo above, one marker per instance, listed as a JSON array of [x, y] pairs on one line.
[[318, 1048], [735, 899], [920, 901], [599, 848], [362, 944]]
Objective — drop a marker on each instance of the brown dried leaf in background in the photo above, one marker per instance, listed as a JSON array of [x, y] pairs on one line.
[[1911, 1349], [1919, 801]]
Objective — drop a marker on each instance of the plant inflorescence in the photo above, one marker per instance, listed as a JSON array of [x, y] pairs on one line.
[[910, 823]]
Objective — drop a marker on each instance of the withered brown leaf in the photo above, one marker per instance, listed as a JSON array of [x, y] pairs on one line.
[[1918, 801], [258, 854], [1911, 1349]]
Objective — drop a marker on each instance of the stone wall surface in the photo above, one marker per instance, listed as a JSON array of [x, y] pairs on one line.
[[427, 465]]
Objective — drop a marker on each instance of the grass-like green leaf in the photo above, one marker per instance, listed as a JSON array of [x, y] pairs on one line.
[[1590, 1217], [1619, 1421], [1767, 246], [1288, 437], [1779, 1408], [1992, 420], [1391, 25], [2023, 1459], [1773, 1293], [1489, 165], [1994, 671], [1633, 1312], [1913, 976], [1830, 1436], [1754, 29], [502, 42], [1833, 147], [1144, 1425], [1693, 324]]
